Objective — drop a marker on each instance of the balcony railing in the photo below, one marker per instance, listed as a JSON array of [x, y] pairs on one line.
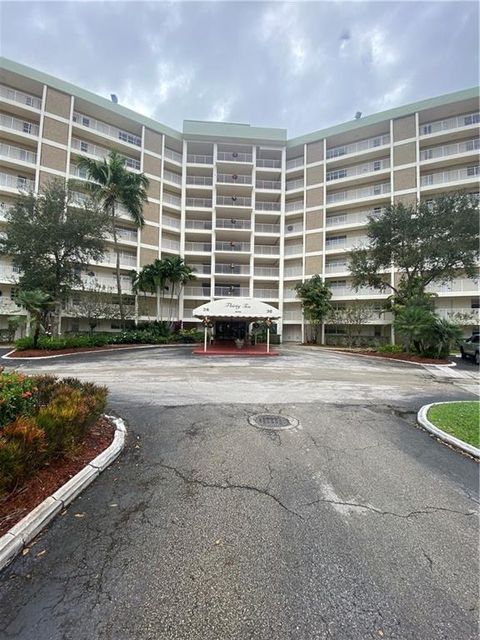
[[357, 194], [450, 149], [201, 225], [296, 205], [266, 294], [295, 184], [273, 185], [267, 272], [200, 180], [127, 234], [17, 153], [336, 266], [360, 217], [350, 292], [293, 316], [266, 206], [169, 198], [292, 249], [291, 272], [109, 283], [450, 176], [464, 314], [269, 163], [297, 227], [295, 162], [173, 155], [20, 96], [9, 273], [204, 269], [24, 126], [234, 179], [202, 203], [172, 177], [456, 286], [234, 292], [234, 156], [358, 147], [102, 152], [232, 246], [267, 249], [450, 123], [195, 158], [167, 244], [345, 242], [5, 207], [126, 259], [16, 182], [261, 227], [170, 221], [239, 269], [107, 129], [225, 223], [197, 292], [234, 201], [198, 247], [289, 294], [358, 170]]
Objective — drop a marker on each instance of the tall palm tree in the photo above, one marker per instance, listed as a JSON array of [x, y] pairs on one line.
[[111, 184], [178, 275], [37, 304]]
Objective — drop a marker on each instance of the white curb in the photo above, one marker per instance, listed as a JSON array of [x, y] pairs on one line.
[[424, 422], [7, 356], [30, 526], [365, 355]]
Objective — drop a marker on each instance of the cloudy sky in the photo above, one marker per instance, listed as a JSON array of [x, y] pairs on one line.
[[301, 66]]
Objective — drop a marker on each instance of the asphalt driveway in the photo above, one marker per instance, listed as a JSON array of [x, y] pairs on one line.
[[355, 524]]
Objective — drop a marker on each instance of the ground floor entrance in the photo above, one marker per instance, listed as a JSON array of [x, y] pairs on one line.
[[230, 330]]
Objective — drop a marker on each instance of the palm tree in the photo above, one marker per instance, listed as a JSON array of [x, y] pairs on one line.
[[37, 304], [111, 184], [178, 274]]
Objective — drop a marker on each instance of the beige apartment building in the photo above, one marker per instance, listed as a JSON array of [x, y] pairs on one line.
[[250, 210]]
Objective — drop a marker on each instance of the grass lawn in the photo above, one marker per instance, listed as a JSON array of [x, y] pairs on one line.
[[460, 419]]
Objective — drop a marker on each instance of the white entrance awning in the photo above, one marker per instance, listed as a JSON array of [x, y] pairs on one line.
[[232, 308]]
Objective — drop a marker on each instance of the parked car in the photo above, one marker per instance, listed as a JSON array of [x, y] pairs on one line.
[[470, 348]]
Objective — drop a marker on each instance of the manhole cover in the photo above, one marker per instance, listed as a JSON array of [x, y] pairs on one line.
[[272, 421]]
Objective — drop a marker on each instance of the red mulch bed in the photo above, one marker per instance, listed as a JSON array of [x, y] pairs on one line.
[[39, 353], [410, 357], [47, 480]]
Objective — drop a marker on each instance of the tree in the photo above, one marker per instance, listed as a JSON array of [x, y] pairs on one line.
[[156, 275], [112, 184], [50, 241], [430, 241], [315, 296], [423, 330], [95, 303], [178, 274], [37, 304], [352, 317]]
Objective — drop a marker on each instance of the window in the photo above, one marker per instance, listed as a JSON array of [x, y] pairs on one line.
[[84, 146], [27, 127], [377, 165], [475, 303], [426, 180], [377, 190], [376, 142], [29, 101], [473, 119], [85, 121], [473, 171], [21, 182], [427, 128], [428, 154]]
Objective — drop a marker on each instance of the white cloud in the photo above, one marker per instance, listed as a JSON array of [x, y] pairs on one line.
[[221, 109]]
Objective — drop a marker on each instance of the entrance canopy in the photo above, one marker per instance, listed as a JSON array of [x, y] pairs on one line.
[[237, 308]]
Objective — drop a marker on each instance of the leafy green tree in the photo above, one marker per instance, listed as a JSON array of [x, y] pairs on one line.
[[50, 241], [423, 330], [178, 274], [352, 317], [315, 298], [37, 304], [430, 241], [112, 185]]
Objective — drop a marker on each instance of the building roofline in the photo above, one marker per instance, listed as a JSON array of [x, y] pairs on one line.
[[198, 129]]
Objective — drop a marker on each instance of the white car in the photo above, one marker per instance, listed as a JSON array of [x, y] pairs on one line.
[[470, 348]]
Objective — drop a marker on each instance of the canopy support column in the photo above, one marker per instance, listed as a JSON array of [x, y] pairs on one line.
[[205, 337], [268, 339]]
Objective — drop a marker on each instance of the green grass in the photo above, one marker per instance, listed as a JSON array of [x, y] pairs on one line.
[[460, 419]]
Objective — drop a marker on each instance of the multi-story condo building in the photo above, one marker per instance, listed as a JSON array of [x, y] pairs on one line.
[[251, 211]]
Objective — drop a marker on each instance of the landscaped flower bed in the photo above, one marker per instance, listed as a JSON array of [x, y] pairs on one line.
[[45, 423], [389, 354]]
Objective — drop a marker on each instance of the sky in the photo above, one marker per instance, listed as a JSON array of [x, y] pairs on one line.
[[301, 66]]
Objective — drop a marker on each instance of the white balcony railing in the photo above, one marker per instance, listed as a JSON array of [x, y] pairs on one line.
[[296, 227], [225, 223], [5, 207], [293, 249], [202, 203], [295, 184], [16, 182], [450, 123], [232, 246], [450, 149], [195, 158], [358, 147], [344, 242], [172, 177], [169, 198], [339, 291], [266, 206], [127, 234], [357, 194], [289, 294], [107, 129], [234, 201], [167, 244], [465, 315], [126, 259], [102, 152], [170, 221], [24, 126], [296, 205], [204, 269], [336, 266], [200, 225], [269, 163], [292, 316], [197, 292], [266, 272], [109, 283], [234, 156], [234, 178], [231, 291], [261, 227], [173, 155], [198, 247], [273, 185], [267, 249], [266, 294], [199, 180], [20, 96], [360, 217], [239, 269], [295, 162], [9, 273], [291, 272], [456, 286], [450, 176], [17, 153], [358, 170]]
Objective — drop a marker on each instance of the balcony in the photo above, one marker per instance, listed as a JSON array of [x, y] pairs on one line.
[[358, 194], [15, 124], [199, 203], [261, 227], [109, 283], [234, 156], [231, 291], [195, 158], [202, 181], [19, 96], [102, 152], [225, 223], [271, 185], [170, 154], [343, 291], [293, 249], [232, 269], [234, 179], [344, 242], [170, 221], [267, 206], [289, 294], [450, 149], [232, 246], [172, 177], [126, 259], [8, 307], [292, 316], [197, 292], [453, 175], [170, 245], [106, 129], [234, 201], [358, 218], [266, 272], [295, 162], [9, 273], [461, 285], [170, 199], [266, 294], [358, 147], [5, 207], [130, 235], [17, 153], [466, 315], [450, 123], [16, 182], [201, 269], [336, 266], [198, 247], [198, 225], [358, 170], [269, 163], [291, 272], [290, 229], [267, 250], [295, 184], [296, 205]]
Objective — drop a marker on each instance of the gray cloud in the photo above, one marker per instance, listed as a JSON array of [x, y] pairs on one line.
[[301, 66]]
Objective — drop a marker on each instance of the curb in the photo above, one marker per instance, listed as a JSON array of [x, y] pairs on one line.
[[12, 542], [86, 353], [424, 422], [364, 355]]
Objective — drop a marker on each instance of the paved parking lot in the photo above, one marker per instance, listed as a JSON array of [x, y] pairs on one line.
[[354, 524]]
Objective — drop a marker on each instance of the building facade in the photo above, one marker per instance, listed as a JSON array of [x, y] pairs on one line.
[[251, 211]]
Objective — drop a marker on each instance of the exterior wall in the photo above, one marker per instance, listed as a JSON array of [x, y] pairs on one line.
[[53, 157], [55, 130], [58, 103]]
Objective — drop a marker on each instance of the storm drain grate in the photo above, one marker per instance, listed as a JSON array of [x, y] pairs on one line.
[[272, 421]]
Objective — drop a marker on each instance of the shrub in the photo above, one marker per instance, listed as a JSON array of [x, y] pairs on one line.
[[188, 335], [17, 396], [390, 348], [22, 449], [63, 342]]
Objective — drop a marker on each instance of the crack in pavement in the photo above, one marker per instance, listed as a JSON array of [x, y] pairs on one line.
[[368, 507], [229, 485]]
